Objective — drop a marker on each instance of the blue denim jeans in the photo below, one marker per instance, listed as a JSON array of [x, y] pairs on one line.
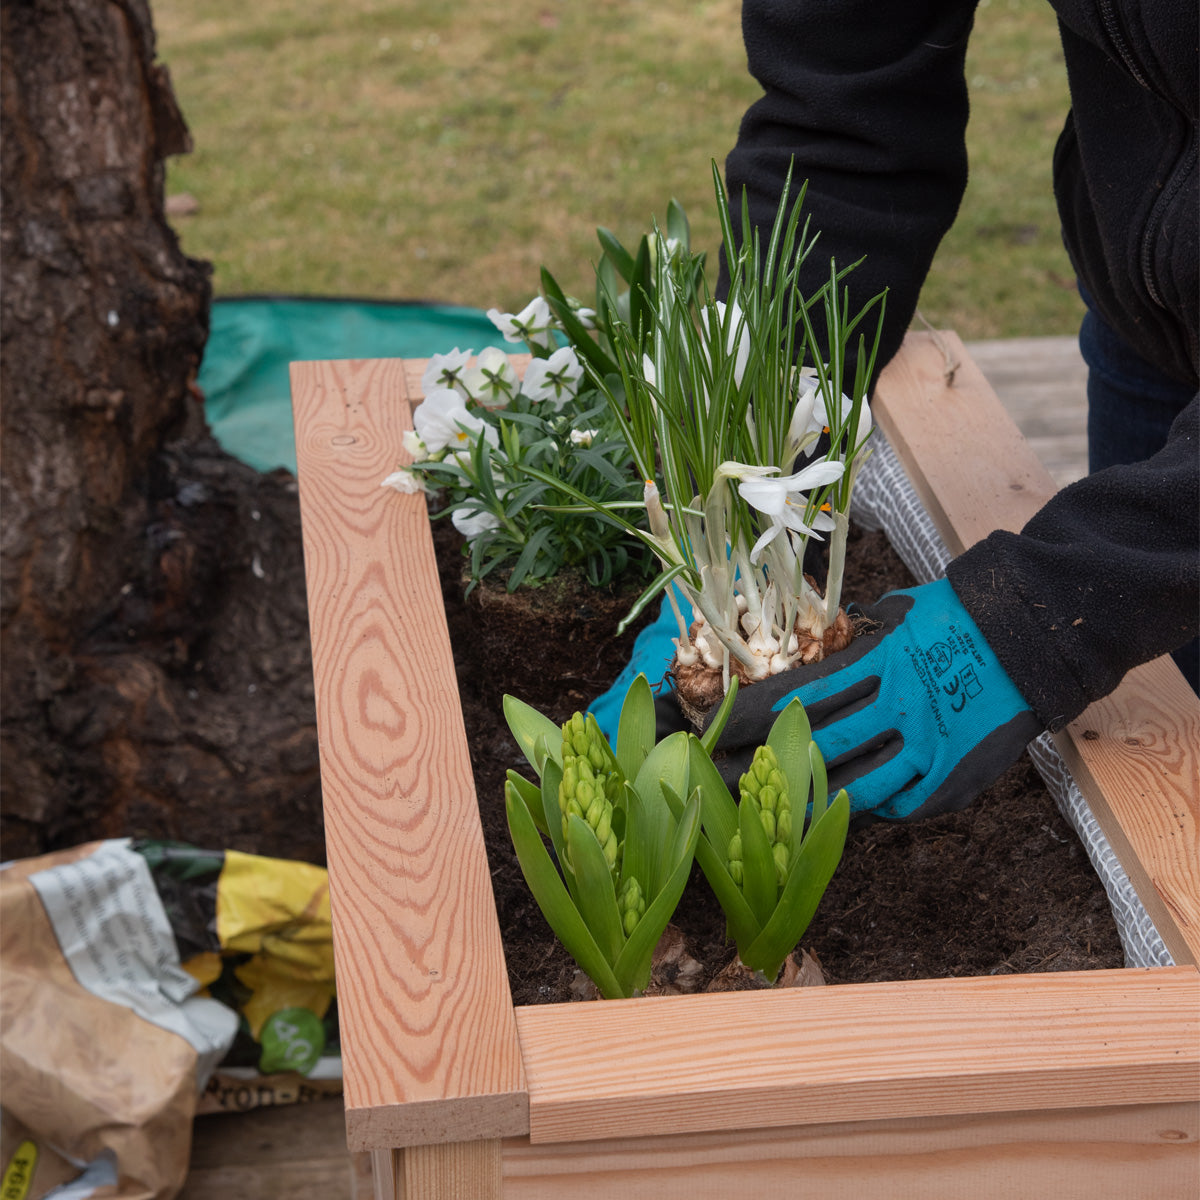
[[1131, 405]]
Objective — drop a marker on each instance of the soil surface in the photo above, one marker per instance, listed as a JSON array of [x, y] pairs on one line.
[[1003, 887]]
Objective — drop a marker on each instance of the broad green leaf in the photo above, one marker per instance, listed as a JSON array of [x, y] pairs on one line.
[[595, 896], [636, 728], [532, 795], [677, 224], [551, 780], [554, 901], [759, 884], [667, 762], [791, 739], [739, 917], [526, 725], [632, 968], [820, 782], [808, 878], [717, 725], [720, 810]]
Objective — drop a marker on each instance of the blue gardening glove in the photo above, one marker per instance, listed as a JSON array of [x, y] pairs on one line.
[[653, 650], [916, 718]]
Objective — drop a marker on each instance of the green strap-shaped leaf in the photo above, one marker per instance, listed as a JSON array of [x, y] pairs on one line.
[[742, 924], [808, 878], [595, 896], [531, 794], [717, 725], [620, 258], [790, 738], [719, 809], [526, 724], [632, 968], [636, 727], [554, 901], [760, 883], [641, 284], [551, 780], [820, 783], [651, 832], [577, 334], [677, 225]]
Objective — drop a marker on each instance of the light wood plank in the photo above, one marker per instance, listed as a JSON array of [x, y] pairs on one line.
[[1091, 1154], [429, 1044], [1136, 754], [455, 1172], [867, 1051]]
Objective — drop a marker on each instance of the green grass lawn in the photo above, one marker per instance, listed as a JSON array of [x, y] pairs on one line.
[[403, 149]]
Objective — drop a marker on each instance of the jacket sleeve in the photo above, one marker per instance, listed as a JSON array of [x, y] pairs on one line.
[[1106, 576], [872, 103]]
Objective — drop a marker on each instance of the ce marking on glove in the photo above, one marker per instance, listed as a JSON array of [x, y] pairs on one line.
[[964, 686]]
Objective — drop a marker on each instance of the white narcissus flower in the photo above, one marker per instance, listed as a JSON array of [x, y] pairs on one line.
[[492, 381], [445, 371], [738, 335], [443, 423], [555, 379], [784, 501], [404, 482], [533, 324], [584, 437], [471, 525]]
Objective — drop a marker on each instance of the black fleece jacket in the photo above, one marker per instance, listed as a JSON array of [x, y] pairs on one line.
[[871, 100]]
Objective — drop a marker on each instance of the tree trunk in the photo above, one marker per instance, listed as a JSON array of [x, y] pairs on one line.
[[152, 620]]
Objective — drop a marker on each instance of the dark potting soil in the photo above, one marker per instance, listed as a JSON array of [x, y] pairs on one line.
[[1003, 887]]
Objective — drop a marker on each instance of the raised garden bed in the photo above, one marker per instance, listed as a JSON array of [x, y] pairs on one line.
[[971, 1086]]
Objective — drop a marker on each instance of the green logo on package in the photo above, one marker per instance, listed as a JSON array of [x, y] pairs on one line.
[[292, 1040]]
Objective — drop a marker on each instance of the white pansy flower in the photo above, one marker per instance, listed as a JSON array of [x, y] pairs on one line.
[[554, 379], [404, 482], [471, 525], [443, 423], [784, 501], [492, 381], [533, 324], [738, 335], [584, 437], [413, 445], [445, 371]]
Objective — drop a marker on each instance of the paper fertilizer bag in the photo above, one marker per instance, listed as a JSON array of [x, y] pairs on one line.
[[130, 974]]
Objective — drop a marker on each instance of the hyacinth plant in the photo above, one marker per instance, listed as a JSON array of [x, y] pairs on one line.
[[623, 827], [507, 451], [621, 833], [748, 440]]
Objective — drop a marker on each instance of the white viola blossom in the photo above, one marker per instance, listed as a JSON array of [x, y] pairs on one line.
[[471, 525], [445, 371], [492, 381], [413, 446], [533, 324], [784, 501], [583, 438], [554, 379], [442, 422], [405, 482]]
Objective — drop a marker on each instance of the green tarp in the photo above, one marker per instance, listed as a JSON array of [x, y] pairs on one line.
[[244, 375]]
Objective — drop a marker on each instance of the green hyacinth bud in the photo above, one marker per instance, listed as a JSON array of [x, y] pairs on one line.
[[780, 854], [783, 827], [735, 871], [768, 824], [611, 849], [768, 797]]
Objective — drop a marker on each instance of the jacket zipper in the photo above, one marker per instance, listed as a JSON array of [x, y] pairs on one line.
[[1183, 168], [1118, 40]]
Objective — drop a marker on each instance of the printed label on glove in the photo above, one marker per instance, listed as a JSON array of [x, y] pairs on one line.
[[947, 670]]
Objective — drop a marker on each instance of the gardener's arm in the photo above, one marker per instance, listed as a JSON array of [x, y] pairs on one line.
[[1027, 630], [871, 102]]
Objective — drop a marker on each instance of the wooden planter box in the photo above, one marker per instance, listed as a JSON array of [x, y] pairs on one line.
[[1078, 1085]]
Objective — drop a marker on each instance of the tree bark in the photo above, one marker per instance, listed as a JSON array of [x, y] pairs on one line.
[[156, 679]]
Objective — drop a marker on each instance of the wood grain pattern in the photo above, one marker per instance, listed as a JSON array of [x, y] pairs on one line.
[[1136, 754], [857, 1052], [1093, 1154], [428, 1038]]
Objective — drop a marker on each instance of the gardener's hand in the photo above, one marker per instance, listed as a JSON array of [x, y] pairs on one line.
[[914, 719], [653, 650]]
